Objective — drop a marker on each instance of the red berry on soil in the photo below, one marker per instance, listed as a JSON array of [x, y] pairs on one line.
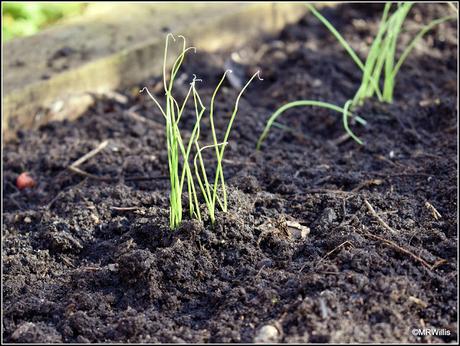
[[24, 180]]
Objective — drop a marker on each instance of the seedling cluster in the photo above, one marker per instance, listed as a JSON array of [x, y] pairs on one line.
[[380, 67], [181, 169]]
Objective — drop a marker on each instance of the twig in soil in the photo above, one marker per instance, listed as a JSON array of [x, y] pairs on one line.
[[347, 242], [91, 269], [418, 301], [433, 210], [407, 252], [136, 116], [401, 174], [89, 155], [124, 208], [67, 261], [374, 214], [367, 183], [326, 191], [395, 164], [334, 250], [74, 166], [260, 271], [342, 139]]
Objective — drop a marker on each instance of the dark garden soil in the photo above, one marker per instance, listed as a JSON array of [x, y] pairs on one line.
[[93, 260]]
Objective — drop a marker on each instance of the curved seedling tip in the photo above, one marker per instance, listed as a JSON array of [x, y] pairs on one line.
[[189, 48], [183, 38], [185, 51], [177, 63], [195, 79], [142, 90], [257, 74], [170, 35], [228, 71], [184, 43]]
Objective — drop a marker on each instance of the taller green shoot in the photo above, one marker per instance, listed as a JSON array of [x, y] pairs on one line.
[[380, 67]]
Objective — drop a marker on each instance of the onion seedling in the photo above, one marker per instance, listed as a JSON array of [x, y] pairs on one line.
[[210, 192], [175, 145], [381, 56], [380, 63], [303, 103], [179, 153]]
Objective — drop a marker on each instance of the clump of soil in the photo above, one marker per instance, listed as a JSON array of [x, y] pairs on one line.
[[299, 257]]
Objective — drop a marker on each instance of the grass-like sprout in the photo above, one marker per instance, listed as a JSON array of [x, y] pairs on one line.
[[381, 63], [303, 103], [179, 153], [210, 192], [175, 145]]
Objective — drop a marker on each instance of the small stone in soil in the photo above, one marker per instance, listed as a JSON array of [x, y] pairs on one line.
[[328, 216], [266, 334], [265, 263], [297, 230]]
